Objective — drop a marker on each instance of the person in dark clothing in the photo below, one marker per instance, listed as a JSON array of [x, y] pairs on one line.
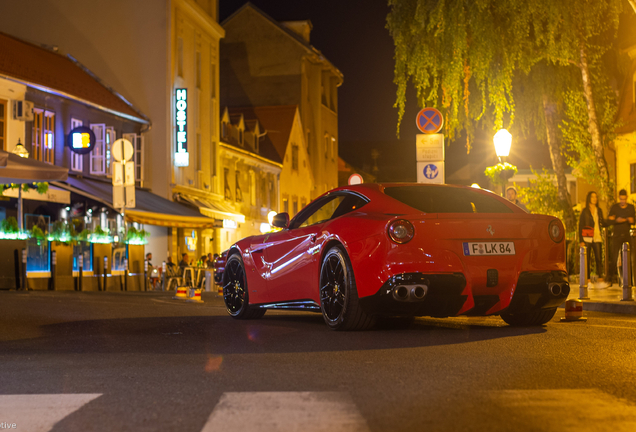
[[590, 237], [185, 262], [622, 216]]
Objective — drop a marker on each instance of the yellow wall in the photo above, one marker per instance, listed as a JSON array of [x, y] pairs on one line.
[[625, 156], [296, 184]]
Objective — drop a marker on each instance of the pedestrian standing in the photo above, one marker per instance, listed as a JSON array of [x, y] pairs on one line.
[[622, 217], [511, 194], [590, 224]]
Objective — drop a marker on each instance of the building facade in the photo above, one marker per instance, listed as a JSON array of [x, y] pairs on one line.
[[157, 48], [270, 63]]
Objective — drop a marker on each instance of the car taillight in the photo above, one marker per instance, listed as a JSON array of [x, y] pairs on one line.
[[401, 231], [555, 229]]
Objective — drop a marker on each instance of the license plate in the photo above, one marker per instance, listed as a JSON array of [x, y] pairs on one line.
[[489, 248]]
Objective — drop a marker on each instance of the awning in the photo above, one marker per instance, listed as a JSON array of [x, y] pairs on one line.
[[19, 170], [150, 209], [212, 209]]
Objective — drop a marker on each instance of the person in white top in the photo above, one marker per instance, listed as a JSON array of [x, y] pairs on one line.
[[590, 224]]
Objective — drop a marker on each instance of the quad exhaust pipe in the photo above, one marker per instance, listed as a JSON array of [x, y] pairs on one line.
[[410, 293], [559, 289]]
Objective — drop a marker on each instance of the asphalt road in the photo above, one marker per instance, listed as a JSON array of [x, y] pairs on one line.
[[142, 362]]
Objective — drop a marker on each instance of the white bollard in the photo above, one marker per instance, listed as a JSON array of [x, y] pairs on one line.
[[583, 275], [627, 281]]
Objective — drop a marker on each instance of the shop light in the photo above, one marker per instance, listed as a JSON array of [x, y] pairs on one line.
[[230, 224], [265, 228]]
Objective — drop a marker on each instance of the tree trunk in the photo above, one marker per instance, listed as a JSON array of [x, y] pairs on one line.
[[597, 145], [558, 163]]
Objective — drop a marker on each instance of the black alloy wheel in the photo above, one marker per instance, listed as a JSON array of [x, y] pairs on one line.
[[339, 300], [235, 294]]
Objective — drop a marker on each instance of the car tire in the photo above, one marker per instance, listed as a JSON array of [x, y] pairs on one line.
[[339, 300], [529, 318], [235, 293]]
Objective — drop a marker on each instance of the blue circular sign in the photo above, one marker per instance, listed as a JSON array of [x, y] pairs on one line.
[[429, 120], [431, 171]]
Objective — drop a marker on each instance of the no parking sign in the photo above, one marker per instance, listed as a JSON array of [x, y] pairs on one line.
[[429, 120]]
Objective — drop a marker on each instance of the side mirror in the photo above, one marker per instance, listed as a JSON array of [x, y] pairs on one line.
[[281, 220]]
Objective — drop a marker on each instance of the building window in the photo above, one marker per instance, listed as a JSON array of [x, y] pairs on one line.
[[226, 184], [295, 206], [49, 137], [36, 134], [285, 205], [180, 57], [327, 145], [241, 136], [198, 69], [98, 154], [334, 149], [252, 188], [212, 80], [303, 203], [199, 153], [632, 177], [295, 157], [137, 141], [239, 193], [110, 139], [3, 124], [224, 131], [77, 162]]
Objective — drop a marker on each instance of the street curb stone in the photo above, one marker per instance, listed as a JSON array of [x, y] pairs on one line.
[[608, 307]]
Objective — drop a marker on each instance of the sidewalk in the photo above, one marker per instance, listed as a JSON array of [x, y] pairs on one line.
[[604, 299]]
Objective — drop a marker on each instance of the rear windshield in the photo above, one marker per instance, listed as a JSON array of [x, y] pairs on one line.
[[440, 199]]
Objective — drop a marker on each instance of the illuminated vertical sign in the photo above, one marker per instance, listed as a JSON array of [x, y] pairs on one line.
[[181, 156]]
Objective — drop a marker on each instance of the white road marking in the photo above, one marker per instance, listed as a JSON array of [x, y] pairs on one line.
[[39, 413], [566, 410], [285, 411]]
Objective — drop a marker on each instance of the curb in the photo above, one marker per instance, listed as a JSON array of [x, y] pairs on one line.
[[628, 308]]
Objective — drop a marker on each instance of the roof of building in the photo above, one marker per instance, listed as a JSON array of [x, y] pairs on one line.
[[286, 30], [52, 72], [277, 122]]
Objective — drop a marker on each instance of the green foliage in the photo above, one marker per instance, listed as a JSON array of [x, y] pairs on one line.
[[577, 138], [460, 56], [541, 197], [10, 225], [41, 188], [37, 233], [136, 236], [494, 173]]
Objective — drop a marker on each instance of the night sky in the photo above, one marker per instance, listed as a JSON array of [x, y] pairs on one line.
[[353, 36]]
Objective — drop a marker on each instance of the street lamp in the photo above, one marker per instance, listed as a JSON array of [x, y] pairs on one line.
[[19, 150], [503, 141]]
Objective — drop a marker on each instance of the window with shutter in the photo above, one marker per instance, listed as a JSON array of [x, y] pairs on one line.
[[98, 154], [138, 144], [77, 162]]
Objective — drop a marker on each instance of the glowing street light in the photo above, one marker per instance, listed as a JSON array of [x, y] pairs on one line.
[[503, 141]]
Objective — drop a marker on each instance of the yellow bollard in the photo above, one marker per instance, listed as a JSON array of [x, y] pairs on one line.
[[194, 295], [181, 294], [574, 311]]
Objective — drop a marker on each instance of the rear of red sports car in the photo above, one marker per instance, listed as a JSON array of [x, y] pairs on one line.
[[445, 251]]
